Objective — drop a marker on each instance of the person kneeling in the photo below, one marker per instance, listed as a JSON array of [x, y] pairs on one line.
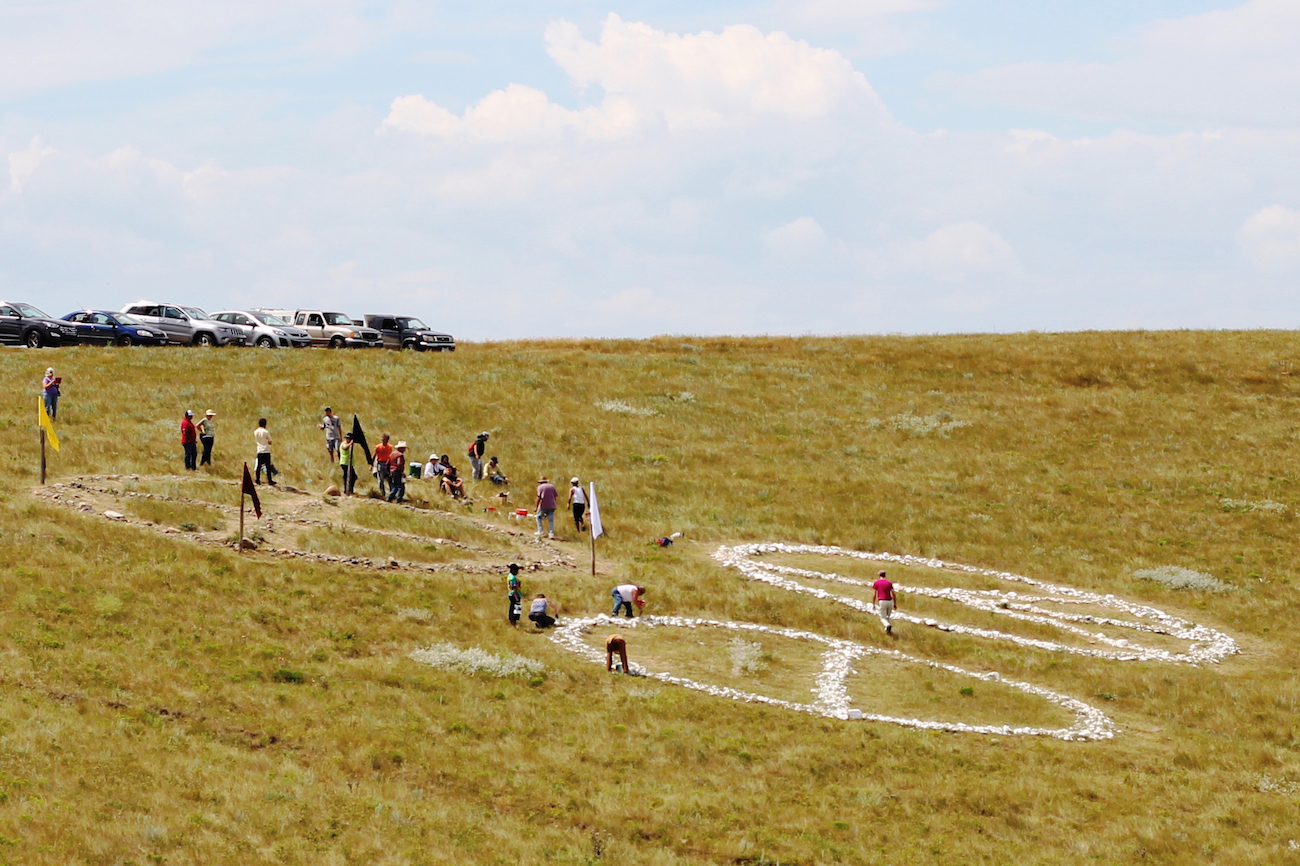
[[539, 611]]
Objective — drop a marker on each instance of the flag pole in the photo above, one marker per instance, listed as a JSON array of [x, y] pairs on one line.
[[241, 510], [43, 459], [593, 551]]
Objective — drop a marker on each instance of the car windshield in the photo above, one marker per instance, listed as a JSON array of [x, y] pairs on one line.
[[412, 325], [30, 312], [338, 319], [268, 319], [124, 319], [194, 312]]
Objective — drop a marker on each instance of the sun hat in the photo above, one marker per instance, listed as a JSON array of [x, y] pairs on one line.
[[543, 480], [209, 413], [485, 435], [401, 445], [574, 480]]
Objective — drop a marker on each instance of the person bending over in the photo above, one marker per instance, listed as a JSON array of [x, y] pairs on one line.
[[540, 611], [627, 595], [615, 644]]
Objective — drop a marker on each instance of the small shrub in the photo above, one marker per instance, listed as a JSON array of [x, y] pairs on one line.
[[747, 658], [108, 606], [622, 407], [968, 691], [473, 660], [941, 423], [284, 675], [1177, 577]]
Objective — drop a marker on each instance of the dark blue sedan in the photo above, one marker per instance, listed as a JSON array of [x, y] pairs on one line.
[[102, 328]]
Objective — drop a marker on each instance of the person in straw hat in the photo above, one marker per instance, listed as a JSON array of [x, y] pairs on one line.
[[207, 427], [397, 473]]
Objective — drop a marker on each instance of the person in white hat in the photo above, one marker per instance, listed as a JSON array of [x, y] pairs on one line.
[[207, 427], [476, 449], [397, 474], [578, 501]]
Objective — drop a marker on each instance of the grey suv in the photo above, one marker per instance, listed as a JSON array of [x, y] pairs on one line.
[[188, 325]]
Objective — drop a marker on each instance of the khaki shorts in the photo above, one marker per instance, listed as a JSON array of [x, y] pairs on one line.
[[885, 609]]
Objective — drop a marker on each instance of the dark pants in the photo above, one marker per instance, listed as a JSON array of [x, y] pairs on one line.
[[382, 477], [264, 460], [516, 608], [206, 459], [620, 604], [349, 480], [396, 487], [579, 509], [191, 455], [542, 620]]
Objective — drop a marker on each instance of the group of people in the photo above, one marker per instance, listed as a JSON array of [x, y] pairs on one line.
[[192, 433], [543, 612]]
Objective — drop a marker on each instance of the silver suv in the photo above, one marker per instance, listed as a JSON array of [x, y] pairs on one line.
[[265, 330], [188, 325]]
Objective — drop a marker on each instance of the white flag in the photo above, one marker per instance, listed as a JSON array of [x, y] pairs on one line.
[[593, 514]]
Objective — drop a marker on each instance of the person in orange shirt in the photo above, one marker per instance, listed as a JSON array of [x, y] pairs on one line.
[[383, 451]]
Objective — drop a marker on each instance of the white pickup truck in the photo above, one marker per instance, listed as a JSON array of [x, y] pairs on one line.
[[335, 330]]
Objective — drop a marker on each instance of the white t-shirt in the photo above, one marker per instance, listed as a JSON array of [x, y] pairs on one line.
[[626, 591], [263, 437], [333, 427], [579, 498]]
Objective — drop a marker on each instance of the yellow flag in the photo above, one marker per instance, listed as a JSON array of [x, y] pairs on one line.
[[44, 419]]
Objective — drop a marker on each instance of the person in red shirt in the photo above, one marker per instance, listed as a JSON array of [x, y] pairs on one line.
[[397, 474], [886, 601], [190, 440], [383, 451]]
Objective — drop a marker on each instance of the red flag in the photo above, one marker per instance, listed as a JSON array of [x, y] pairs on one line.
[[251, 490]]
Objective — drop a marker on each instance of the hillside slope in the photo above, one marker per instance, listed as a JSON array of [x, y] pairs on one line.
[[164, 698]]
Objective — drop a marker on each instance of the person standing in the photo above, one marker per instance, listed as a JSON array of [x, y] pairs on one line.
[[476, 449], [545, 506], [397, 474], [333, 428], [615, 644], [207, 428], [262, 437], [50, 391], [190, 440], [625, 596], [540, 611], [886, 601], [346, 458], [514, 594], [578, 500], [383, 451]]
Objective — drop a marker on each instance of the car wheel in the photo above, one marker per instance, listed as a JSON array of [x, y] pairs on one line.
[[336, 343], [205, 339], [407, 347], [125, 340], [265, 343], [33, 339]]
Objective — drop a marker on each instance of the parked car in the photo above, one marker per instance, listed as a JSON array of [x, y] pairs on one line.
[[335, 330], [102, 328], [264, 329], [24, 325], [406, 332], [188, 325]]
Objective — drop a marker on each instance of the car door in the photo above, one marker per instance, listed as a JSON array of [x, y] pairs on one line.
[[314, 324], [177, 325], [392, 334], [81, 321], [245, 324], [150, 314], [103, 328], [11, 329]]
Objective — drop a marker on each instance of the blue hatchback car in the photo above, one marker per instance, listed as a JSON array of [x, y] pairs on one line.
[[103, 328]]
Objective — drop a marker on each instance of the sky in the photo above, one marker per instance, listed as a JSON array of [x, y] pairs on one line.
[[567, 168]]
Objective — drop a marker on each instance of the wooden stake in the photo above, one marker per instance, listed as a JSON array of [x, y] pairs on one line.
[[593, 554], [43, 459], [241, 511]]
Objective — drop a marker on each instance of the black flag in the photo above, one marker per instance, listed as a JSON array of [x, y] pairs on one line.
[[250, 490], [359, 438]]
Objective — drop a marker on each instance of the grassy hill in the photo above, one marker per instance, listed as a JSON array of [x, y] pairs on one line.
[[165, 699]]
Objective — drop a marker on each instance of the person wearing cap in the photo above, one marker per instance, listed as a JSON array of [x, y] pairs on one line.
[[476, 449], [346, 458], [50, 391], [207, 428], [578, 500], [383, 451], [886, 601], [545, 505], [625, 596], [190, 440], [397, 474], [333, 428], [494, 473]]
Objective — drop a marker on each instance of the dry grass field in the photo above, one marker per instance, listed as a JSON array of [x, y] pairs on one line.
[[165, 699]]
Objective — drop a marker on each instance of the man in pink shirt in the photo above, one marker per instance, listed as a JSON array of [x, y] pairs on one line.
[[545, 508], [886, 600]]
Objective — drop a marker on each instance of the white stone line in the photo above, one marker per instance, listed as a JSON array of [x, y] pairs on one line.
[[1206, 645], [831, 696]]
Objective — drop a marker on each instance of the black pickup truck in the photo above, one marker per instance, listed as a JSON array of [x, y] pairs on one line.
[[406, 332]]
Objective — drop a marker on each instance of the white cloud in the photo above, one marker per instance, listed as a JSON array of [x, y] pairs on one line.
[[1271, 238], [796, 238], [959, 250], [23, 162], [1232, 66]]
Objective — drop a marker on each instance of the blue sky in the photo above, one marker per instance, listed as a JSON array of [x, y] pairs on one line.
[[629, 169]]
